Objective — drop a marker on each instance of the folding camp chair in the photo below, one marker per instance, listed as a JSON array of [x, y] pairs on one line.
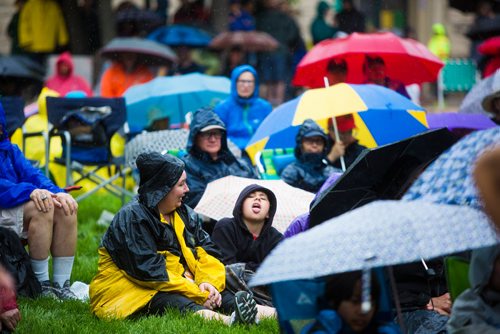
[[457, 75], [86, 126], [271, 162], [457, 275]]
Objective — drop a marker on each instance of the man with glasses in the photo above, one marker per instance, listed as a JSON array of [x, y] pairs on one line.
[[311, 169], [209, 157], [244, 110]]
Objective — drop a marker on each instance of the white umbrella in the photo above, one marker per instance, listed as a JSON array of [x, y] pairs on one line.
[[220, 196], [381, 233]]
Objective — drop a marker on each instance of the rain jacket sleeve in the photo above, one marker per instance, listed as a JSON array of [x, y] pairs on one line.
[[18, 179]]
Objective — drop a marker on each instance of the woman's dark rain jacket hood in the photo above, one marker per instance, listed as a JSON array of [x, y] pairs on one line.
[[158, 174], [238, 207], [3, 125], [203, 118]]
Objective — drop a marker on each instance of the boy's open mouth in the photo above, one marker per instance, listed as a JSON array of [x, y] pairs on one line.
[[256, 207]]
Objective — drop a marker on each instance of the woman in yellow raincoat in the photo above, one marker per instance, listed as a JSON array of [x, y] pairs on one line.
[[155, 255]]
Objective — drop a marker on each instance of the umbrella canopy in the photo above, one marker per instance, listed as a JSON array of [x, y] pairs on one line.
[[250, 41], [160, 141], [406, 60], [219, 199], [21, 67], [382, 116], [173, 98], [381, 173], [484, 29], [177, 35], [381, 233], [472, 101], [151, 52], [490, 47], [449, 179], [460, 124]]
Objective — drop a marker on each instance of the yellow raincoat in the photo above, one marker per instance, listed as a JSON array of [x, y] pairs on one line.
[[142, 254]]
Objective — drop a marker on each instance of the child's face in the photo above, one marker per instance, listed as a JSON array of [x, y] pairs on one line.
[[314, 144], [350, 311], [256, 206]]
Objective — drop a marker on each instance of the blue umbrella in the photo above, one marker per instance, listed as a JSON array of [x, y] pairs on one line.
[[449, 179], [173, 98], [177, 35]]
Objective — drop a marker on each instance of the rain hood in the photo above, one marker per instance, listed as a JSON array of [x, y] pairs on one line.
[[158, 174]]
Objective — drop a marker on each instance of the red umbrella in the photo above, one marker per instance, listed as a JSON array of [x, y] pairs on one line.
[[490, 47], [251, 41], [406, 59]]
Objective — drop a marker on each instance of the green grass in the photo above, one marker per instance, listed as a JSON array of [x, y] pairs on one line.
[[49, 316]]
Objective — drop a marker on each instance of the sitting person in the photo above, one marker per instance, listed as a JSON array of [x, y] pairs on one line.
[[348, 146], [336, 71], [423, 295], [375, 71], [155, 255], [65, 80], [248, 236], [477, 309], [244, 110], [208, 156], [9, 311], [41, 212], [342, 308], [311, 169]]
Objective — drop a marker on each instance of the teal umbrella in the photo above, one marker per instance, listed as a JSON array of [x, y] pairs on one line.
[[173, 98]]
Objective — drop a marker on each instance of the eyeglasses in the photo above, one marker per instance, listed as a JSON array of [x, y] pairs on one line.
[[246, 82], [217, 134], [314, 140]]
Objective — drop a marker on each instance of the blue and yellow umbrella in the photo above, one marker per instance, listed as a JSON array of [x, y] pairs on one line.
[[382, 116]]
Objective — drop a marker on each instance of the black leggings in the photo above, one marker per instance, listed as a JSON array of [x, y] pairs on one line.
[[165, 300]]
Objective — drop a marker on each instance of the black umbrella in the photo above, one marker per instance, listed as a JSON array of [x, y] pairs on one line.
[[384, 172], [14, 113], [21, 67], [484, 29]]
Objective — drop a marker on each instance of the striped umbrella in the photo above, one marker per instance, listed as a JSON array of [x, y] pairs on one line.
[[382, 116]]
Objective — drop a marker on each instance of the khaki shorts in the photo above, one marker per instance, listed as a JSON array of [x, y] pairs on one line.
[[13, 218]]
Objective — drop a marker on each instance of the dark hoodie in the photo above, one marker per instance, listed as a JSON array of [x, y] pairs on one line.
[[237, 243], [309, 171], [201, 168]]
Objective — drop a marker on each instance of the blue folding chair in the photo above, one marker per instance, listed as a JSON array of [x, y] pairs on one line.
[[86, 126]]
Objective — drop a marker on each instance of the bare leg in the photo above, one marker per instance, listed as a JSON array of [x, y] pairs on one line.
[[211, 315], [39, 225], [64, 235]]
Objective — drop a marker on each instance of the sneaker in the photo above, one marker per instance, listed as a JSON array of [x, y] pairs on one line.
[[245, 308], [48, 290], [64, 292]]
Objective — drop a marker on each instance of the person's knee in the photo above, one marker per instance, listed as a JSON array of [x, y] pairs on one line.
[[60, 217], [31, 213]]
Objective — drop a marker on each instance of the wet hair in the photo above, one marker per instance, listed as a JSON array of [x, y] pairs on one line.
[[340, 288]]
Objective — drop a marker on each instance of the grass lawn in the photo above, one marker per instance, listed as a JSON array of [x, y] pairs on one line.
[[49, 316]]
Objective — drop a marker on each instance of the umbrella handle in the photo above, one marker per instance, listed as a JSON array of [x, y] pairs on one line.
[[399, 312], [335, 129]]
